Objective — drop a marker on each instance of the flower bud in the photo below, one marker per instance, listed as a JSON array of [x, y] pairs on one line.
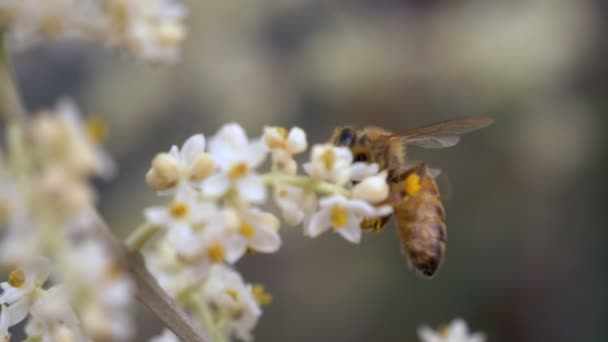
[[202, 167], [372, 189], [164, 173]]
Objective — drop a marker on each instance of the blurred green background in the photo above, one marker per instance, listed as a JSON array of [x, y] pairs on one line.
[[526, 259]]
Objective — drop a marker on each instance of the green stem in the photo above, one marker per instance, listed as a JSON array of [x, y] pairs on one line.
[[142, 234], [305, 182], [11, 107]]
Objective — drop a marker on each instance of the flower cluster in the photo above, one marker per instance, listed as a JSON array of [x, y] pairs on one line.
[[214, 214], [47, 210], [457, 331], [150, 30]]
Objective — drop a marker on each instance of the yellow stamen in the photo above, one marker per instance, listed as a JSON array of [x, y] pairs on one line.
[[278, 143], [260, 295], [251, 251], [246, 230], [443, 330], [216, 253], [96, 129], [412, 184], [16, 278], [179, 210], [338, 217], [329, 158], [233, 294], [238, 171]]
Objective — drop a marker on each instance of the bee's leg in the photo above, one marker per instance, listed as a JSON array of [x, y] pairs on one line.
[[375, 224]]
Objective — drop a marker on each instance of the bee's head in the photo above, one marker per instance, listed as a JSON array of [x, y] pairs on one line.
[[345, 137]]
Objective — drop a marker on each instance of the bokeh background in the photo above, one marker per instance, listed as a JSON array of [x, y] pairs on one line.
[[527, 232]]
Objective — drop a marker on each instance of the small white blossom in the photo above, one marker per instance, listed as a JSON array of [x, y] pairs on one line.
[[330, 163], [215, 242], [237, 159], [226, 290], [284, 145], [105, 291], [62, 136], [180, 167], [457, 331], [344, 216], [183, 212], [297, 205], [23, 293], [260, 230]]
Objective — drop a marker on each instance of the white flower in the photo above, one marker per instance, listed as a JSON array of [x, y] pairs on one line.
[[172, 274], [184, 212], [166, 336], [457, 331], [372, 189], [52, 317], [330, 163], [284, 145], [215, 242], [226, 290], [237, 159], [260, 230], [150, 29], [66, 139], [344, 216], [23, 294], [296, 204], [105, 292], [180, 167]]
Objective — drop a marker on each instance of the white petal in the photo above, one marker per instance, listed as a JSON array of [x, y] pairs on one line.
[[157, 215], [296, 140], [232, 134], [216, 185], [427, 334], [372, 189], [332, 201], [265, 240], [256, 153], [174, 152], [16, 312], [183, 239], [360, 170], [235, 248], [319, 223], [11, 294], [252, 189], [194, 146], [351, 231]]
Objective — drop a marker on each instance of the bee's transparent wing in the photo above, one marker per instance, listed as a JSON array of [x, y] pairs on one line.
[[443, 134]]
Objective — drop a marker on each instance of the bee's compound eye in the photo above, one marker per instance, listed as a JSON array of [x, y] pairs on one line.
[[347, 137]]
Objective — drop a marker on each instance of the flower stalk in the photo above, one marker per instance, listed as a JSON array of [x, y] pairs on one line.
[[11, 107]]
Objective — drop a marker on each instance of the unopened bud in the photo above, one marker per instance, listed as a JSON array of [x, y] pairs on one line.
[[202, 167]]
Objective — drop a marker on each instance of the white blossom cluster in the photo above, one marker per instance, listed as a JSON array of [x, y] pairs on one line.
[[457, 331], [46, 215], [214, 214], [149, 29]]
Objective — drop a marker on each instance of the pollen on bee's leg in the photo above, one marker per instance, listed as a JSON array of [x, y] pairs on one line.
[[412, 184]]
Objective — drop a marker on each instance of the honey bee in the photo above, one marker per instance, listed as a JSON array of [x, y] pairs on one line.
[[417, 205]]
